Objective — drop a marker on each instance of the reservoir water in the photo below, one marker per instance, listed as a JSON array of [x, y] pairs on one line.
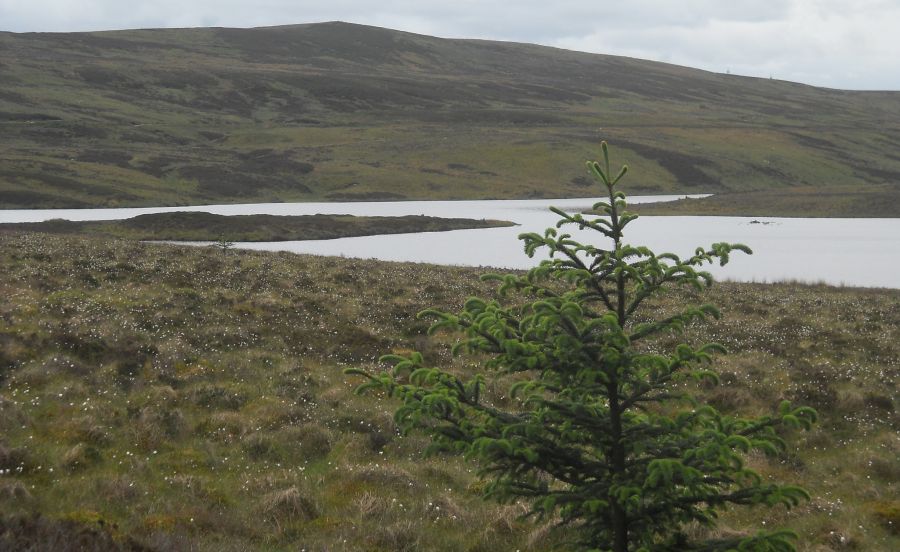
[[855, 252]]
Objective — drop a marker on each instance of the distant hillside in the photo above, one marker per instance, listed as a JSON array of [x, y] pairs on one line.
[[336, 111]]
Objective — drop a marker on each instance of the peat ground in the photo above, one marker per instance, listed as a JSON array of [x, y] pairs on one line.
[[168, 397]]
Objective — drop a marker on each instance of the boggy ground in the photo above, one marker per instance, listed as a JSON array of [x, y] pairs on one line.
[[170, 398]]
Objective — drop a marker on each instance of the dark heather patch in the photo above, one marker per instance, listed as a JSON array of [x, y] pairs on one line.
[[685, 168]]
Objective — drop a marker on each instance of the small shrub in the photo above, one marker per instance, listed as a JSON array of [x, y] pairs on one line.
[[377, 440], [379, 429], [95, 435], [386, 477], [888, 513], [224, 426], [159, 522], [15, 460], [40, 533], [370, 506], [729, 399], [64, 364], [279, 416], [305, 443], [217, 396], [14, 491], [117, 489], [191, 484], [819, 394], [400, 536], [886, 469], [128, 369], [79, 457], [334, 396], [259, 446], [87, 430], [879, 401], [355, 344], [286, 506], [11, 415], [156, 425], [443, 507], [161, 395]]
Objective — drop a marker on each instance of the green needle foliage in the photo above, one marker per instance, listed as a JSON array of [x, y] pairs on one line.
[[604, 438], [224, 244]]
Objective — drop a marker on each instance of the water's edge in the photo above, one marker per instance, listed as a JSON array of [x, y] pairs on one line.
[[854, 252]]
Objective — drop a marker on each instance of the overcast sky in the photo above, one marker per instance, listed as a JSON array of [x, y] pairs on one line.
[[852, 44]]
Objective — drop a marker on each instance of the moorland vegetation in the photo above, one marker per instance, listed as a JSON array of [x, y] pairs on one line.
[[164, 397], [600, 435], [200, 226], [342, 112]]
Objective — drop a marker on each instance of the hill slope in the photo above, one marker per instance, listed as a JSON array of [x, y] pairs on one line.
[[337, 111]]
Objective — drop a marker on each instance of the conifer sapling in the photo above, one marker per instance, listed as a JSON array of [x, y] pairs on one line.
[[603, 437]]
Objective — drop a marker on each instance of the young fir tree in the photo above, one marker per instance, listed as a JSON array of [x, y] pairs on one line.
[[603, 439], [224, 244]]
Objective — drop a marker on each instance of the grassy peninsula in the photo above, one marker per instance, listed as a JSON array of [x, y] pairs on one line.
[[871, 202], [200, 226], [161, 397]]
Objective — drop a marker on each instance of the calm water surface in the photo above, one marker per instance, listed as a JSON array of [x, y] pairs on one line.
[[857, 252]]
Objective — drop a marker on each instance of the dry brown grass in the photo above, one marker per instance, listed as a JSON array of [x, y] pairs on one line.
[[287, 506], [207, 426]]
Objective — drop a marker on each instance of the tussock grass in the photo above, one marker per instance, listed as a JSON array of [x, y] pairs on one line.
[[176, 398], [14, 492], [286, 506]]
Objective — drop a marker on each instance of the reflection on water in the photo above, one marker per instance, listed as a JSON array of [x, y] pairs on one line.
[[858, 252]]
